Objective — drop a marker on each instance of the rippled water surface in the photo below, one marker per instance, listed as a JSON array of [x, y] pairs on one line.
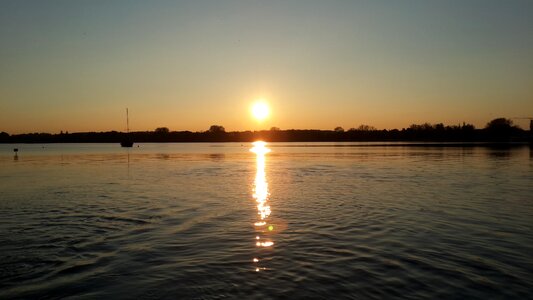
[[215, 221]]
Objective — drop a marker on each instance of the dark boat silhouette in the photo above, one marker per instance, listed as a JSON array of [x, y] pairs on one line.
[[126, 140]]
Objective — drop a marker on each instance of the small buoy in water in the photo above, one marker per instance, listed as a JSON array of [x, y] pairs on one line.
[[16, 149]]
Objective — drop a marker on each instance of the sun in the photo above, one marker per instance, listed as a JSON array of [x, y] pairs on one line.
[[260, 110]]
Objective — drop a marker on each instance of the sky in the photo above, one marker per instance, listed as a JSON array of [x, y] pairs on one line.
[[186, 65]]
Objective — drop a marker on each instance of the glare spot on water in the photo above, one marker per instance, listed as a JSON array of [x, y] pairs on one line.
[[265, 244], [259, 148]]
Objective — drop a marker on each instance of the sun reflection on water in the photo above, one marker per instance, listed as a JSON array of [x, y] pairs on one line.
[[261, 195]]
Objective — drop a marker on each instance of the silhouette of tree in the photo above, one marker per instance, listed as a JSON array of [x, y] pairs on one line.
[[439, 127], [501, 128], [162, 130], [468, 127], [338, 129], [364, 127], [421, 127], [499, 124], [4, 136], [274, 129], [216, 129]]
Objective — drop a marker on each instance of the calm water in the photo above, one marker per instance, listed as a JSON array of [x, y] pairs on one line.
[[214, 221]]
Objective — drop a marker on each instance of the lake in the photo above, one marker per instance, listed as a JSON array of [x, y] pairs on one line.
[[285, 220]]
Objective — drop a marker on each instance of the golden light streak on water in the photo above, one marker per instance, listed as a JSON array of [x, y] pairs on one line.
[[260, 184], [261, 195]]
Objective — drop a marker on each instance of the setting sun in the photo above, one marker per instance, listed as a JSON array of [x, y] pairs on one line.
[[260, 110]]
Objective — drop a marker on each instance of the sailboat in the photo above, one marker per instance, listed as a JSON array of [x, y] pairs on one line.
[[126, 140]]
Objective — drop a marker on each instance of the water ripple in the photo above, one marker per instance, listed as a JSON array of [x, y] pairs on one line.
[[348, 223]]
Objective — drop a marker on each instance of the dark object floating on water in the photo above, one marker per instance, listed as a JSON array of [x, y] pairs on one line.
[[126, 141], [16, 149]]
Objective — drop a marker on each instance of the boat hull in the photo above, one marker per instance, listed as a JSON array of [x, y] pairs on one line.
[[126, 144]]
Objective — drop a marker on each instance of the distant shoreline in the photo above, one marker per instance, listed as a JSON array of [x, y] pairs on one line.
[[462, 138], [499, 131]]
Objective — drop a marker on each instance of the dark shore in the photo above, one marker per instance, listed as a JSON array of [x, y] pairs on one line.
[[447, 138]]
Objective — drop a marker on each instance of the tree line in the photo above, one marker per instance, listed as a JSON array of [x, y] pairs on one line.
[[497, 130]]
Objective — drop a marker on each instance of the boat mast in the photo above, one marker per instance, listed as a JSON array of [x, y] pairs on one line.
[[127, 121]]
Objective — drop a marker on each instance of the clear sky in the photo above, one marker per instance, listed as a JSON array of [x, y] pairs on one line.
[[76, 65]]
